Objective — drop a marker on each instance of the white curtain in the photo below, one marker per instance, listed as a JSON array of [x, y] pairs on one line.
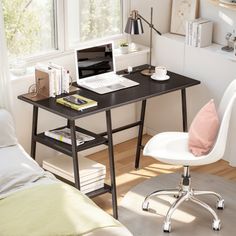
[[5, 96]]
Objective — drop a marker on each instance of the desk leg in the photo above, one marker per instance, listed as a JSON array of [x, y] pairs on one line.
[[34, 132], [112, 164], [74, 153], [140, 134], [184, 110]]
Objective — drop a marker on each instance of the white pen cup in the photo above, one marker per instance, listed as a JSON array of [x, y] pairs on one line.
[[160, 71]]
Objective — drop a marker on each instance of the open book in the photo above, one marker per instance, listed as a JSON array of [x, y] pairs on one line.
[[64, 135]]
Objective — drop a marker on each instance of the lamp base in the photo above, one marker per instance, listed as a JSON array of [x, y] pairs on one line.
[[147, 72]]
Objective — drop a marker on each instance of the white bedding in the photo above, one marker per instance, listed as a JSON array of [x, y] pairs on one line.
[[19, 171]]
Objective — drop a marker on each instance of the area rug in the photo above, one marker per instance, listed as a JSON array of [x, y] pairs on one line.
[[189, 218]]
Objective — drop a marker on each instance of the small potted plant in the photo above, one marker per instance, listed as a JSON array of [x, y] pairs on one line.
[[124, 48]]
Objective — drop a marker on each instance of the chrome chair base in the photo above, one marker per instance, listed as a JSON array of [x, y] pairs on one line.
[[186, 193]]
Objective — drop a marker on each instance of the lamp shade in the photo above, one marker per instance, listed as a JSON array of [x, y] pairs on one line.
[[134, 26]]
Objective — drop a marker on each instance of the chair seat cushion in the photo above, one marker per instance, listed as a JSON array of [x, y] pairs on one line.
[[203, 130], [172, 148]]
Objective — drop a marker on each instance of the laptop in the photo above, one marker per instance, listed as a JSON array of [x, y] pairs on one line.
[[95, 70]]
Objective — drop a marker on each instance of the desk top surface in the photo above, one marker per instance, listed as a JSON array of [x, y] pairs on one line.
[[147, 88]]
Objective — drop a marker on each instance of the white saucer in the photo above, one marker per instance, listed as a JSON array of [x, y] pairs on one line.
[[166, 77]]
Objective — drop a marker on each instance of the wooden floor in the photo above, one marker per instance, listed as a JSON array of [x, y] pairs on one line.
[[127, 177]]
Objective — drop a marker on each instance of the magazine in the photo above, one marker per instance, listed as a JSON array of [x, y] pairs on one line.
[[64, 135]]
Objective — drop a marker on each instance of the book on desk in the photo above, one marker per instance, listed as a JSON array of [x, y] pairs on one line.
[[76, 102]]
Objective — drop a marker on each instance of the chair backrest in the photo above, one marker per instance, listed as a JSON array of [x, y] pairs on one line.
[[224, 111]]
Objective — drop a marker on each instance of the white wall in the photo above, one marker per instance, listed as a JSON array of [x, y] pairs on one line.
[[224, 20], [23, 111], [161, 17]]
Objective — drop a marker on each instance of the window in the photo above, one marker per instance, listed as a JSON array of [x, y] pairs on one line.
[[99, 18], [30, 27], [94, 19], [36, 29]]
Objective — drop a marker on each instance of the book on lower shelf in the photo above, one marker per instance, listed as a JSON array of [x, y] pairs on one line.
[[64, 135], [77, 102], [92, 174]]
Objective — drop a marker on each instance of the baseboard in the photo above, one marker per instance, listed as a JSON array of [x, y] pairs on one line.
[[151, 132]]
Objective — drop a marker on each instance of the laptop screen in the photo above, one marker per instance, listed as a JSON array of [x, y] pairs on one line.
[[93, 61]]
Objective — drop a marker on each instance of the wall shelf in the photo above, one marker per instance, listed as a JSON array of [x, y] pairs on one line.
[[224, 4], [213, 48], [139, 49]]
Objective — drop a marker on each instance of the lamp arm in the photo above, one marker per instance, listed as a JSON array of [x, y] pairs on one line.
[[149, 24]]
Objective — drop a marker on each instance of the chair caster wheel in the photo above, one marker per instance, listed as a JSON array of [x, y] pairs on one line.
[[220, 205], [216, 225], [167, 227], [145, 206]]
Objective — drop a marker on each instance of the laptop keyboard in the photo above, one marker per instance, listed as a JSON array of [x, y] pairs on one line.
[[103, 82]]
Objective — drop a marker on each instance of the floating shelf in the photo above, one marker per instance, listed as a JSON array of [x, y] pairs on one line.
[[213, 48], [224, 4]]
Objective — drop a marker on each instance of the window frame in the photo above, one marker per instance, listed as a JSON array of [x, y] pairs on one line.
[[125, 6], [62, 41], [59, 37]]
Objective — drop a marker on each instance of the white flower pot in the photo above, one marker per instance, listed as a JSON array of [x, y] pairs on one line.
[[124, 50]]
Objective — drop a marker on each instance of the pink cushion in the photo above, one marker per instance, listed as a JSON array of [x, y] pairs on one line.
[[203, 130]]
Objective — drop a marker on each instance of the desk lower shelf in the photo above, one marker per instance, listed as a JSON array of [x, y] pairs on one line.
[[67, 148]]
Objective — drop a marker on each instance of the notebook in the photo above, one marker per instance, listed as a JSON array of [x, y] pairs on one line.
[[95, 69]]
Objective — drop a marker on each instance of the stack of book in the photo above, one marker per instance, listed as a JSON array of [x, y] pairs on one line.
[[58, 78], [199, 32], [92, 174], [77, 102]]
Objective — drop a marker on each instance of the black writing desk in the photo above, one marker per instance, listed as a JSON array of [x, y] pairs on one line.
[[146, 89]]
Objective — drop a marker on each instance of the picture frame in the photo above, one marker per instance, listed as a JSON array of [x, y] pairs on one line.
[[182, 11]]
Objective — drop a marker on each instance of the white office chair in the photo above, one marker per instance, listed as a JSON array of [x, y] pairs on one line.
[[172, 148]]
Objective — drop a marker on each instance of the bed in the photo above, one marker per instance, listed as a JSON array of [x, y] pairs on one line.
[[33, 202]]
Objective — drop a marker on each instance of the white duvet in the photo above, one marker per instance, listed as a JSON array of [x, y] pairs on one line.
[[19, 171]]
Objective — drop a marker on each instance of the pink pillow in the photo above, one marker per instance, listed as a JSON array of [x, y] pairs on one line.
[[203, 130]]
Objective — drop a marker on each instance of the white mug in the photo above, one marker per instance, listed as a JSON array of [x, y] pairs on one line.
[[160, 71]]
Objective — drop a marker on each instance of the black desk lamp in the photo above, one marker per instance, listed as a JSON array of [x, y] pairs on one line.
[[134, 26]]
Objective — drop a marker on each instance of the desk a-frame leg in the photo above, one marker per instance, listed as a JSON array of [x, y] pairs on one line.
[[184, 110], [112, 164], [74, 153], [140, 134], [34, 132]]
